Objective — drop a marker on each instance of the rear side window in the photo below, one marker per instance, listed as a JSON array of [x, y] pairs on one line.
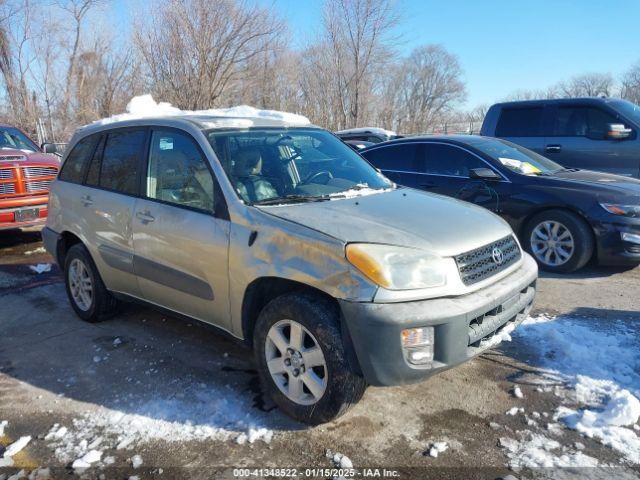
[[401, 157], [441, 159], [520, 122], [582, 122], [73, 168], [117, 167]]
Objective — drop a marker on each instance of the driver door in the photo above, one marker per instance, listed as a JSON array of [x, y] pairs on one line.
[[181, 231]]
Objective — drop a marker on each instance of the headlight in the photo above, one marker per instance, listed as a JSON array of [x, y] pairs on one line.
[[625, 210], [397, 268]]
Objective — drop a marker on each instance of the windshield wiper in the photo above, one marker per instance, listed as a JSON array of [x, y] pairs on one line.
[[292, 199]]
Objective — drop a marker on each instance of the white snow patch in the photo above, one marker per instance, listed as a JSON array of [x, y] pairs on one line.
[[136, 461], [599, 362], [537, 451], [515, 410], [437, 448], [341, 461], [14, 448], [517, 392], [3, 424], [37, 250], [84, 462], [41, 268], [145, 106]]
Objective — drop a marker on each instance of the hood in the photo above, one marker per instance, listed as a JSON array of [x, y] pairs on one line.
[[599, 181], [404, 217], [22, 157]]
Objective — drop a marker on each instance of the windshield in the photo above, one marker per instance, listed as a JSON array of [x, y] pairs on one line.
[[516, 158], [12, 138], [628, 109], [277, 165]]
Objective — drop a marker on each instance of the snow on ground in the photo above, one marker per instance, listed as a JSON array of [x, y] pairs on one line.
[[13, 449], [437, 448], [600, 365], [145, 106], [200, 412], [41, 268], [537, 451]]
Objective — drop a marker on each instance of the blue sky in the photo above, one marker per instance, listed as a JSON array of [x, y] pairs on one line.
[[502, 45]]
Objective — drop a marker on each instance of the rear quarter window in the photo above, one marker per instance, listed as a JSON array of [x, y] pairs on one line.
[[121, 159], [520, 122], [73, 168]]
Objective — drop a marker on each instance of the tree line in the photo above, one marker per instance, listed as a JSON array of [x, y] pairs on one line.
[[62, 66]]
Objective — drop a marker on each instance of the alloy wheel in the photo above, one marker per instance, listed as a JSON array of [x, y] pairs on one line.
[[296, 362], [80, 284], [552, 243]]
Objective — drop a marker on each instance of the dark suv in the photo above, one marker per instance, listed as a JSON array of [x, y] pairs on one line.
[[590, 133]]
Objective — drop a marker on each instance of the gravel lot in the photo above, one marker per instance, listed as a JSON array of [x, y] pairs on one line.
[[188, 402]]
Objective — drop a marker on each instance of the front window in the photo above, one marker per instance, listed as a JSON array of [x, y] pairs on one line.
[[516, 158], [628, 110], [277, 165], [14, 139]]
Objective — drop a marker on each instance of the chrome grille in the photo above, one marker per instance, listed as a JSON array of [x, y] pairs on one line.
[[480, 264], [38, 185], [32, 172], [7, 188], [6, 173]]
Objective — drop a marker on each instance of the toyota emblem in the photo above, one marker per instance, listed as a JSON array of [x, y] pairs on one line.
[[498, 256]]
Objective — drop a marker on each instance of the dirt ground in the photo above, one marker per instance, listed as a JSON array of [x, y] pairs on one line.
[[55, 368]]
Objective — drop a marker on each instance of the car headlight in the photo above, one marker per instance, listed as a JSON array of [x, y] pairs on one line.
[[624, 210], [397, 268]]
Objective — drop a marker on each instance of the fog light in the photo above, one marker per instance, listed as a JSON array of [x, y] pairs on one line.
[[418, 345], [631, 237]]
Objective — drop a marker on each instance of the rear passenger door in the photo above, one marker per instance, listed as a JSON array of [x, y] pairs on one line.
[[524, 126], [398, 162], [446, 168], [181, 230], [107, 202], [578, 140]]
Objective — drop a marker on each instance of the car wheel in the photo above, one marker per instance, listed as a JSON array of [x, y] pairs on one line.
[[301, 358], [87, 294], [560, 241]]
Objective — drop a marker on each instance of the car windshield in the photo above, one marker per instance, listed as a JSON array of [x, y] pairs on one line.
[[288, 165], [516, 158], [628, 109], [12, 138]]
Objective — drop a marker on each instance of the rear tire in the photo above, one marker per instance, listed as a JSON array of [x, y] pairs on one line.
[[560, 241], [87, 294], [325, 386]]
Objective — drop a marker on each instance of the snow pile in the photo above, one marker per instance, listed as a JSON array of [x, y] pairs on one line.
[[41, 268], [201, 413], [144, 106], [503, 335], [3, 424], [600, 363], [84, 462], [437, 448], [136, 461], [517, 392], [339, 460], [537, 451]]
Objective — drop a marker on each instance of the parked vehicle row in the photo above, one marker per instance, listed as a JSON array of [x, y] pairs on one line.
[[285, 238], [564, 217]]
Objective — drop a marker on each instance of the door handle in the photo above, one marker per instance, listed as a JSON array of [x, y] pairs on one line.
[[86, 200], [428, 185], [145, 217], [553, 148]]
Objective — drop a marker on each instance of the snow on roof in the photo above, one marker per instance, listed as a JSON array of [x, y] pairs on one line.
[[144, 106], [379, 131]]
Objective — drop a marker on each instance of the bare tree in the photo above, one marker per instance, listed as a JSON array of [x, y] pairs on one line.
[[630, 84], [588, 85], [194, 50], [430, 87]]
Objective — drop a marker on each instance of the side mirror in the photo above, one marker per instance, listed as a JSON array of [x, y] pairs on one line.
[[484, 174], [618, 131], [53, 148]]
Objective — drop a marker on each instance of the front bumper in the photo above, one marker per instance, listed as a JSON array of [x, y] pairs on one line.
[[375, 328], [612, 249], [8, 216]]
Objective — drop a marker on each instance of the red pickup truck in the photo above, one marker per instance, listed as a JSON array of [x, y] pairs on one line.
[[25, 175]]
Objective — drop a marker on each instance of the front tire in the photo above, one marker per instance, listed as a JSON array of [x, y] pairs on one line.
[[87, 294], [560, 241], [301, 358]]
